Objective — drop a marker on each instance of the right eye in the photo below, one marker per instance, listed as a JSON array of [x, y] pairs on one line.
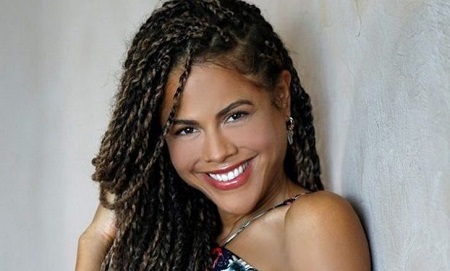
[[185, 131]]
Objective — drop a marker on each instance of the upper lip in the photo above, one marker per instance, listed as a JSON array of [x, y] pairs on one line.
[[227, 169]]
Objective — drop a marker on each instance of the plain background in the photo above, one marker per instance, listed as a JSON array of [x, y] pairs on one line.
[[378, 73]]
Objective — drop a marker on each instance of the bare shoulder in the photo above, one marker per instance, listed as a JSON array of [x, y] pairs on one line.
[[323, 232], [320, 213], [318, 206]]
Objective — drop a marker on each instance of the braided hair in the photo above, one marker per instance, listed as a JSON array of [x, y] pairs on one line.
[[163, 224]]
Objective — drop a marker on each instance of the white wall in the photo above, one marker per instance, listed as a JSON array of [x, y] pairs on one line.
[[378, 73]]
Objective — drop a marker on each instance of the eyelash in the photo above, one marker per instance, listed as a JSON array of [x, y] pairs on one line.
[[184, 131], [236, 115]]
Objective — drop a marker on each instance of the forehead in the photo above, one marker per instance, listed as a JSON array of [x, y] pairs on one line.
[[209, 86]]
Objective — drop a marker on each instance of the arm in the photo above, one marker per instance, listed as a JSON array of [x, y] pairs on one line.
[[96, 240], [323, 233]]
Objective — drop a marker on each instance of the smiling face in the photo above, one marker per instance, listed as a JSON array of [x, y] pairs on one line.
[[228, 138]]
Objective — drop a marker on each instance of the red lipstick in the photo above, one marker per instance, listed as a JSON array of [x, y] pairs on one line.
[[234, 183]]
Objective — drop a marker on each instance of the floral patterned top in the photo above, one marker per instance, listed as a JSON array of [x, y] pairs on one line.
[[226, 260]]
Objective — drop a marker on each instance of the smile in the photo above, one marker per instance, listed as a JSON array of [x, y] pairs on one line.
[[230, 175]]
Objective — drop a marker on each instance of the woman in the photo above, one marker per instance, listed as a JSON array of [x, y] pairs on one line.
[[210, 154]]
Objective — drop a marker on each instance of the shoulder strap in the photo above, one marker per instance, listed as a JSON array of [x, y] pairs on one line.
[[247, 223]]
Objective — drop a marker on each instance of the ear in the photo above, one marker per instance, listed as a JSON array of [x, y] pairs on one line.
[[282, 93]]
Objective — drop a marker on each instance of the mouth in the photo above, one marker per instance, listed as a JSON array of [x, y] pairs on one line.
[[231, 178], [231, 174]]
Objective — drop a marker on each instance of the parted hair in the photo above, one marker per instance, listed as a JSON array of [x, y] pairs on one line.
[[163, 224]]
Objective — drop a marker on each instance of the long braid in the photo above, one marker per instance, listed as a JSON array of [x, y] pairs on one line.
[[163, 224]]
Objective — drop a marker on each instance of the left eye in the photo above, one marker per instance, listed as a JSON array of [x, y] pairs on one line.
[[236, 116]]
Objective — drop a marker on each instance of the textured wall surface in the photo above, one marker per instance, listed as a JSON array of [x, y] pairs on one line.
[[380, 76], [378, 73]]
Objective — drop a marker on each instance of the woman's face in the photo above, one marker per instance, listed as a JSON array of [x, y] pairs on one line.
[[228, 138]]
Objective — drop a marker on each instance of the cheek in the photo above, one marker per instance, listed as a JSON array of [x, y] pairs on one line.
[[182, 156], [265, 134]]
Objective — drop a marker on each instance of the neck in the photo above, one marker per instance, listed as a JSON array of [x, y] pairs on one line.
[[274, 194]]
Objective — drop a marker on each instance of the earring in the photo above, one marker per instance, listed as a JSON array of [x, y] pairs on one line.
[[290, 130]]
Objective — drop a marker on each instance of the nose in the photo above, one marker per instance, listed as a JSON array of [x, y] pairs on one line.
[[218, 147]]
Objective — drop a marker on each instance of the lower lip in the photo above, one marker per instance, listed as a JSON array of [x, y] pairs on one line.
[[233, 184]]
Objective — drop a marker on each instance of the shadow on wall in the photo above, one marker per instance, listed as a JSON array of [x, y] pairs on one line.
[[298, 29]]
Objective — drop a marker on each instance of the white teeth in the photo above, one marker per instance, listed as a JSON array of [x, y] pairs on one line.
[[230, 175], [224, 177]]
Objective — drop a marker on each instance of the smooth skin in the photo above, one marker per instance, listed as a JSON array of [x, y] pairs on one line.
[[318, 232], [215, 131]]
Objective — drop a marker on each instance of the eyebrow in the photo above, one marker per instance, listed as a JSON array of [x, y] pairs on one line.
[[220, 115], [232, 106]]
